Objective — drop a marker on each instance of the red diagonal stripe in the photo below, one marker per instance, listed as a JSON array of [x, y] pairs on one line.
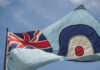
[[26, 37], [35, 35]]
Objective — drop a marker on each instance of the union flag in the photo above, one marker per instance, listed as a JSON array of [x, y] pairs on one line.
[[28, 40]]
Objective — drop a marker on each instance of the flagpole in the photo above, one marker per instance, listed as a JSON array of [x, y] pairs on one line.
[[5, 61]]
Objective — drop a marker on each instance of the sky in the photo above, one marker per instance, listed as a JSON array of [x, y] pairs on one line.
[[28, 15]]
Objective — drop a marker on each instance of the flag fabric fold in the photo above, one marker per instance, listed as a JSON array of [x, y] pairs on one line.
[[30, 59]]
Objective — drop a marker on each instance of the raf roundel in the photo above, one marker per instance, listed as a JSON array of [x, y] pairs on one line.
[[78, 40]]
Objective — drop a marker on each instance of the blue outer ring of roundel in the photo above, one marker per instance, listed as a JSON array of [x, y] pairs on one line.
[[80, 29]]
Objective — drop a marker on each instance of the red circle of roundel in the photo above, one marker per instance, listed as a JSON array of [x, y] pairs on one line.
[[79, 51]]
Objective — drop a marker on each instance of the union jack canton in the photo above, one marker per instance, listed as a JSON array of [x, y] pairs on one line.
[[28, 40]]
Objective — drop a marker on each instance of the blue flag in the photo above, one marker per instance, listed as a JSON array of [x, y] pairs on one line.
[[75, 37]]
